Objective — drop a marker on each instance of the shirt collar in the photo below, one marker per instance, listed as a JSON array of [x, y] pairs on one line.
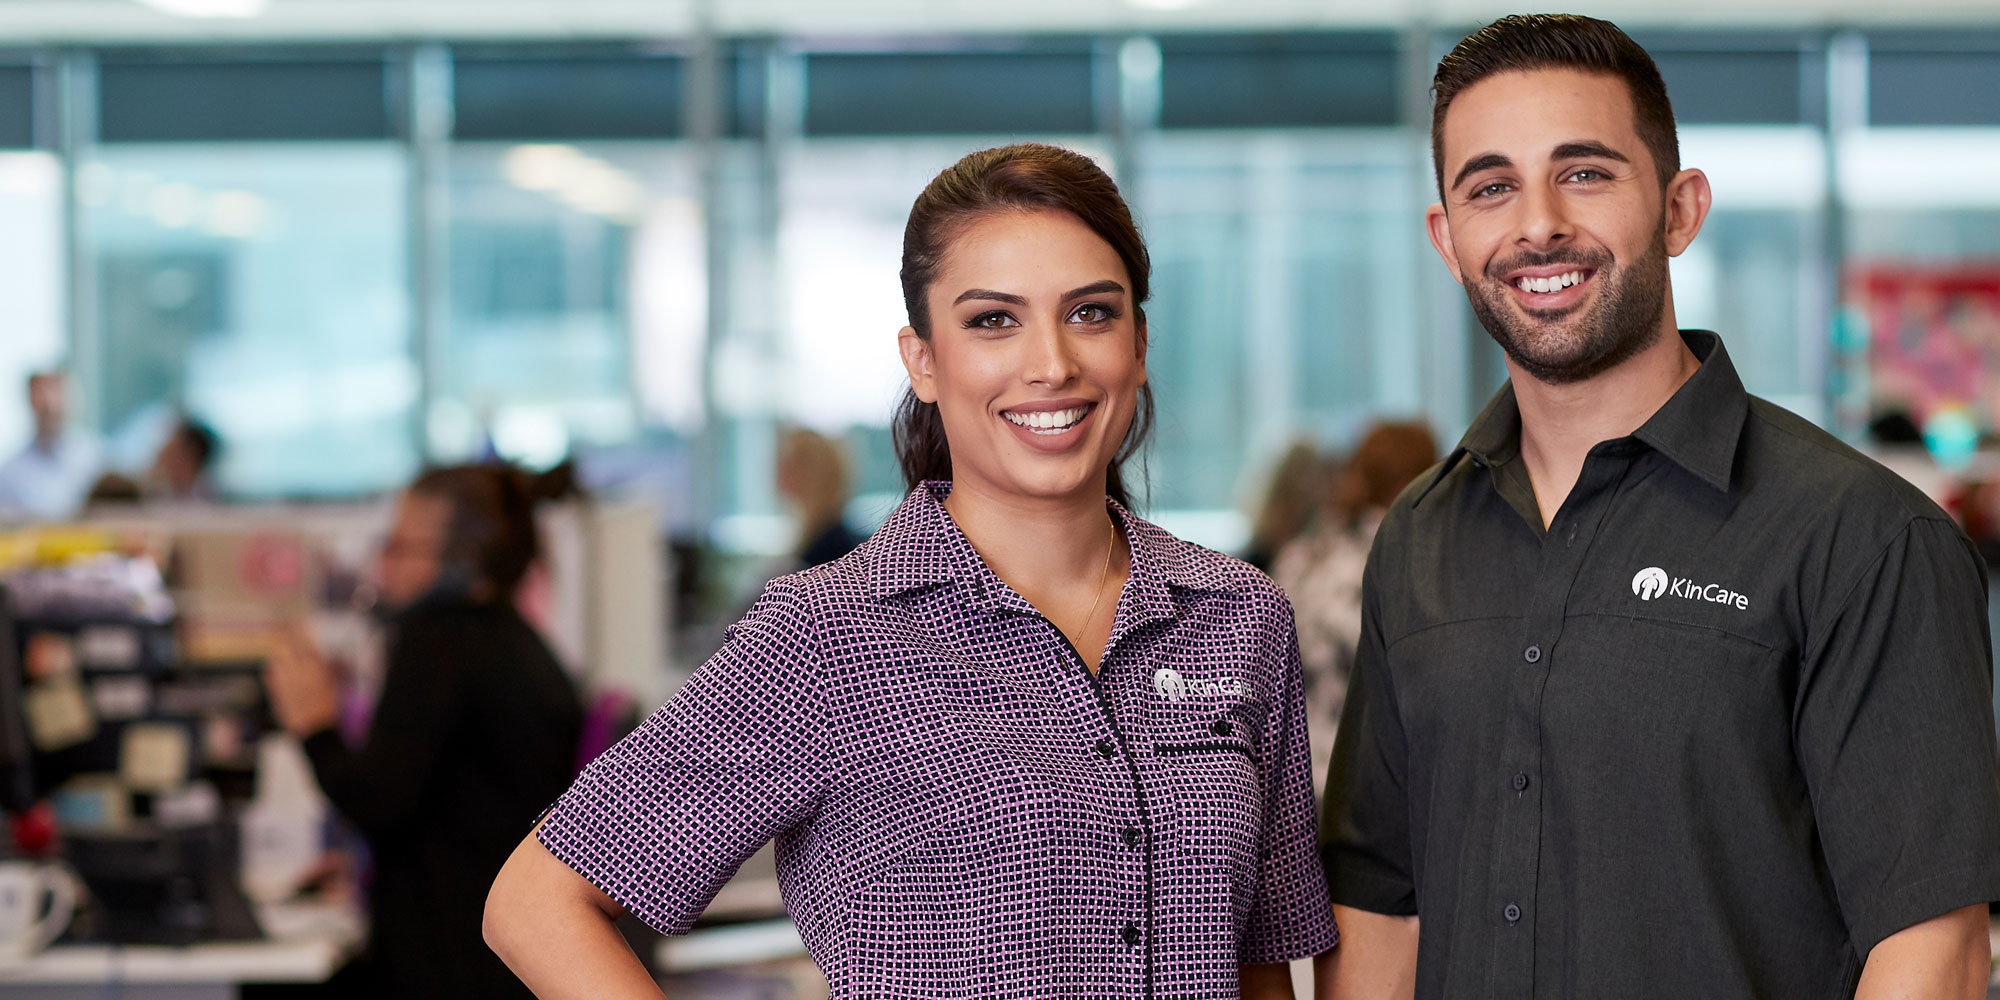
[[1697, 428], [921, 546]]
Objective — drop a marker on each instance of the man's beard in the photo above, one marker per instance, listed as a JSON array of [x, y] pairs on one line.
[[1624, 320]]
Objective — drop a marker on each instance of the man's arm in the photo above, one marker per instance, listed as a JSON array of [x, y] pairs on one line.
[[1264, 981], [1375, 960], [1943, 958]]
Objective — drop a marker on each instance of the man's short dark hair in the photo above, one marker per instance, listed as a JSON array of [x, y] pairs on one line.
[[1522, 42]]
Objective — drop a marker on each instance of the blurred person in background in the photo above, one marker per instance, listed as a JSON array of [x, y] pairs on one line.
[[474, 734], [812, 478], [1295, 490], [49, 479], [990, 740], [180, 469], [1321, 570]]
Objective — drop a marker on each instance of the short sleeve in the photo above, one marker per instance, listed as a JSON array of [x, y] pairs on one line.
[[1292, 918], [1894, 731], [1364, 837], [738, 756]]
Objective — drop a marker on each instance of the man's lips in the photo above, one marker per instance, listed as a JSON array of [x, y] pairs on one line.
[[1550, 286]]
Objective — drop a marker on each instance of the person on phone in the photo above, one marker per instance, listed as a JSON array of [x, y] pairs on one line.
[[475, 731]]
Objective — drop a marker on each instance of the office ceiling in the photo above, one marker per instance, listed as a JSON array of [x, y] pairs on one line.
[[148, 21]]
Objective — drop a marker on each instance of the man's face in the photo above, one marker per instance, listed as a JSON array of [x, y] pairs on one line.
[[1554, 220], [45, 398]]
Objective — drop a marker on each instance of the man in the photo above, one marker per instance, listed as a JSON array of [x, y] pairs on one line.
[[49, 478], [1662, 691]]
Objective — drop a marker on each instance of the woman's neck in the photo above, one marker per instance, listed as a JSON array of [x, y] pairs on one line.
[[1037, 545]]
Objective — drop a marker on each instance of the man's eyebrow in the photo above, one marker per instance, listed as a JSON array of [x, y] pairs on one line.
[[1587, 149], [1095, 288], [1485, 161], [987, 293]]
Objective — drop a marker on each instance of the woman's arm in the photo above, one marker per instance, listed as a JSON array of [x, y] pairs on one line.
[[558, 932]]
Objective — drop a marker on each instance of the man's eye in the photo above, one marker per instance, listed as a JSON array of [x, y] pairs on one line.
[[1587, 175], [1489, 190]]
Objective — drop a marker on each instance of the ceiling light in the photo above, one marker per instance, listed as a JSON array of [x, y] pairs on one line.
[[208, 8]]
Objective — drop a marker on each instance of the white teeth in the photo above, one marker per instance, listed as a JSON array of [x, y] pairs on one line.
[[1555, 283], [1047, 421]]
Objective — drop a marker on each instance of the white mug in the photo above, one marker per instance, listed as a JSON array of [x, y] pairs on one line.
[[24, 887]]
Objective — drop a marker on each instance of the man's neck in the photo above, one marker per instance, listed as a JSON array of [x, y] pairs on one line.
[[1561, 423], [48, 439]]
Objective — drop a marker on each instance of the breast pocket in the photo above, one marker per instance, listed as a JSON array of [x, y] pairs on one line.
[[1216, 796]]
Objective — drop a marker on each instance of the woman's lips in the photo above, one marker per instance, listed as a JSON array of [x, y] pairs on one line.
[[1049, 429]]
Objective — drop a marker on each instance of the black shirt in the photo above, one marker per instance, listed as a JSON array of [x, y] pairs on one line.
[[474, 735], [1717, 731]]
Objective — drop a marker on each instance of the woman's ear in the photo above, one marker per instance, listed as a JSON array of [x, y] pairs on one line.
[[917, 361], [1140, 336]]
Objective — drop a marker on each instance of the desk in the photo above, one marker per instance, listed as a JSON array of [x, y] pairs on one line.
[[310, 942]]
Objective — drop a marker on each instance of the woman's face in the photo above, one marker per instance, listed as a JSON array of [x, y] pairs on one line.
[[1035, 356], [413, 555]]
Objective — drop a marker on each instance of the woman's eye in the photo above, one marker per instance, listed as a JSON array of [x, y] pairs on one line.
[[1092, 312], [991, 321]]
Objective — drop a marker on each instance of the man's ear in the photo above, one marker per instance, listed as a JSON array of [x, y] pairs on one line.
[[1687, 202], [916, 352], [1439, 228]]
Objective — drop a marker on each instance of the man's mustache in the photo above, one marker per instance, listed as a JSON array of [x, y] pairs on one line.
[[1594, 259]]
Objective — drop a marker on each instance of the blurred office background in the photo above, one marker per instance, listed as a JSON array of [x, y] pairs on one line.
[[652, 234], [655, 236]]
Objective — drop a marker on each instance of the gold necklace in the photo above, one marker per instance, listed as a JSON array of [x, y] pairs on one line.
[[1104, 574]]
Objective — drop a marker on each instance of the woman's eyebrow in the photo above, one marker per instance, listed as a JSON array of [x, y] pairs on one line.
[[987, 293], [1095, 288]]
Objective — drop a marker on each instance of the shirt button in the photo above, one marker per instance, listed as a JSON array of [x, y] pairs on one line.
[[1130, 934], [1533, 654], [1221, 727], [1131, 836], [1512, 913], [1520, 782], [1105, 749]]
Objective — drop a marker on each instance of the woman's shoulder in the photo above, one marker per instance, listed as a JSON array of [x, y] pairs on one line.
[[807, 598], [1193, 566]]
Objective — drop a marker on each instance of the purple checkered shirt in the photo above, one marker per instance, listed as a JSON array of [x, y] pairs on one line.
[[960, 808]]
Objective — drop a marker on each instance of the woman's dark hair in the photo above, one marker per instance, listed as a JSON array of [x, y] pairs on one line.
[[1028, 177], [491, 536]]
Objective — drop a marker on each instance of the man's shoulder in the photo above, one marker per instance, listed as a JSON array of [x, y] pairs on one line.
[[1787, 454]]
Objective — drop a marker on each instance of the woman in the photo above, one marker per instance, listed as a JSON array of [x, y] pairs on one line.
[[475, 732], [1019, 743], [1321, 569]]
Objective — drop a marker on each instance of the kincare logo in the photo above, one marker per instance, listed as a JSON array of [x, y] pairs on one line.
[[1654, 582], [1170, 684]]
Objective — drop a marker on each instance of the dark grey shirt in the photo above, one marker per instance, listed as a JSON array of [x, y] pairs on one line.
[[1716, 732]]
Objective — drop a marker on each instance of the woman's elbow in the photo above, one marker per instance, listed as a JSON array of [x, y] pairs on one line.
[[500, 923], [532, 886]]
